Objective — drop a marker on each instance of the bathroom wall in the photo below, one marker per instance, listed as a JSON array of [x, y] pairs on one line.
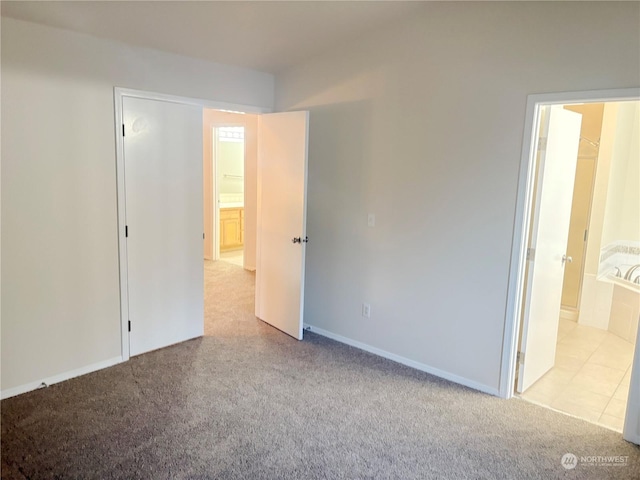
[[230, 161], [622, 212], [614, 236], [625, 312]]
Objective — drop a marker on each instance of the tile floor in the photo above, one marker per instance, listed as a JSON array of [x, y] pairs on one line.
[[590, 378], [235, 257]]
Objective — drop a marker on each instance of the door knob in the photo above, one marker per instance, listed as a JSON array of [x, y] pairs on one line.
[[566, 259]]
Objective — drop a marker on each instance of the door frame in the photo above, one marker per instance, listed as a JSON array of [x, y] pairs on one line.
[[522, 217], [118, 95]]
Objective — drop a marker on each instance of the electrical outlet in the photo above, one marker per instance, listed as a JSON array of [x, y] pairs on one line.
[[366, 310]]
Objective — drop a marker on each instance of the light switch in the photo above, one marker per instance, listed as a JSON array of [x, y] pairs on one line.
[[371, 220]]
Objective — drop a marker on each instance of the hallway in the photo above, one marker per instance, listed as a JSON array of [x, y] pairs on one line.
[[229, 299]]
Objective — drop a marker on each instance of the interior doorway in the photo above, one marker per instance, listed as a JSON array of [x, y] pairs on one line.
[[162, 215], [576, 334], [229, 160], [258, 211], [229, 209]]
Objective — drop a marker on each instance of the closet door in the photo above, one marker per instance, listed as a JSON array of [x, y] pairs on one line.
[[163, 195]]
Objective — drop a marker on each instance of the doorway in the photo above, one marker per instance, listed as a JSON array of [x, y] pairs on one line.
[[273, 210], [229, 160], [591, 366], [159, 152], [230, 188], [580, 364]]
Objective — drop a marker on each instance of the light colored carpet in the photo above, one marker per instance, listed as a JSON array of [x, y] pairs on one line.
[[248, 402]]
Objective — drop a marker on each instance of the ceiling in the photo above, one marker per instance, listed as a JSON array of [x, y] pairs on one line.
[[262, 35]]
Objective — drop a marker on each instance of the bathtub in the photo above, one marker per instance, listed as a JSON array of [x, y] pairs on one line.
[[628, 284]]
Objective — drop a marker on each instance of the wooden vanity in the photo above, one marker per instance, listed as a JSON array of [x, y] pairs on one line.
[[231, 228]]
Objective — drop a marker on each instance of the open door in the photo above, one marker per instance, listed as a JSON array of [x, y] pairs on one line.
[[163, 195], [558, 152], [282, 205]]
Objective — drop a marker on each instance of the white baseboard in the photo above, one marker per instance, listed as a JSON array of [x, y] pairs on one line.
[[405, 361], [61, 377]]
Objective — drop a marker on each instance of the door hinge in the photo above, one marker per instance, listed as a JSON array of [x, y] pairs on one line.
[[123, 129], [129, 325], [531, 254], [126, 231], [203, 236], [520, 358], [586, 234]]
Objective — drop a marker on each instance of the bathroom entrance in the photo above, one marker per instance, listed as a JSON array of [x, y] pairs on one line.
[[255, 216], [228, 159], [578, 300]]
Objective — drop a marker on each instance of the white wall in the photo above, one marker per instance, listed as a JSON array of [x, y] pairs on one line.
[[230, 161], [622, 211], [60, 293], [422, 124]]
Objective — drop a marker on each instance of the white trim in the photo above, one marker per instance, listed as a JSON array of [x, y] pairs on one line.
[[258, 289], [118, 94], [201, 102], [523, 213], [61, 377], [404, 361], [215, 194]]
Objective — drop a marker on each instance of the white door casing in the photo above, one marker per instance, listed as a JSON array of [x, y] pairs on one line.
[[552, 211], [162, 149], [282, 185]]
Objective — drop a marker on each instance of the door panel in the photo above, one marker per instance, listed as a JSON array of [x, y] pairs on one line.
[[560, 130], [163, 191], [282, 185]]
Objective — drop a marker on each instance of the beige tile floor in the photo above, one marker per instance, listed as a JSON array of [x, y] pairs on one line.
[[235, 257], [590, 378]]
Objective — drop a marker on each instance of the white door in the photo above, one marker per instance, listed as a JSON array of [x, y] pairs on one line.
[[163, 195], [282, 204], [560, 131]]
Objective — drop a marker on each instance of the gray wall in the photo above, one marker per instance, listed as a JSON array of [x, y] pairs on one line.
[[60, 290], [422, 124]]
